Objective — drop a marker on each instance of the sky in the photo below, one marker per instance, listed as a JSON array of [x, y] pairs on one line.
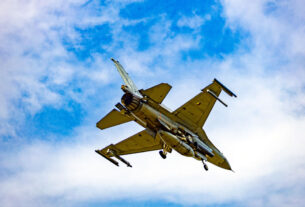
[[57, 81]]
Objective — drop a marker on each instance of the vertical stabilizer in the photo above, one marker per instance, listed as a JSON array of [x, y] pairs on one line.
[[131, 85]]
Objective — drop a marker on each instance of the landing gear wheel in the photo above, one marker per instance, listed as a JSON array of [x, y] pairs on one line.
[[162, 154], [206, 167]]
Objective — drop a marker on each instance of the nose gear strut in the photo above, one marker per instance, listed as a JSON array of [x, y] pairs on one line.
[[205, 166]]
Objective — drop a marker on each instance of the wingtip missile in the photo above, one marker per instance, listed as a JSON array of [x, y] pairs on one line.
[[113, 153], [214, 95], [106, 157], [229, 92]]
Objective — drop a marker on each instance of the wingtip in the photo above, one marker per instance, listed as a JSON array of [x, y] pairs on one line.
[[106, 157], [228, 91]]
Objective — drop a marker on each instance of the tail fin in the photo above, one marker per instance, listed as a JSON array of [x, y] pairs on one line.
[[131, 85]]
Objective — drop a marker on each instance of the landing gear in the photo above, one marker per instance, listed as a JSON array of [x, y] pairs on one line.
[[205, 166], [165, 150], [162, 154]]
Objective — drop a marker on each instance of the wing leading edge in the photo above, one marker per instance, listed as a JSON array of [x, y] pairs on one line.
[[196, 111], [143, 141]]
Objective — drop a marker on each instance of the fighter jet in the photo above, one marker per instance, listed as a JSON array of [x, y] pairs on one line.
[[180, 130]]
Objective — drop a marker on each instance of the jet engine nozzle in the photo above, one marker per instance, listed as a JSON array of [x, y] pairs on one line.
[[130, 101]]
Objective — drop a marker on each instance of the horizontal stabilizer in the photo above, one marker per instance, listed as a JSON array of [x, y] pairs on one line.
[[157, 92], [113, 118]]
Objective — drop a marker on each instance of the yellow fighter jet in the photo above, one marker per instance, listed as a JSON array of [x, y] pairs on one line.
[[180, 130]]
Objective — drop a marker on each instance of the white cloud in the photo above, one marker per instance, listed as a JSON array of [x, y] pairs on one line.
[[259, 132], [193, 22], [34, 61], [261, 139]]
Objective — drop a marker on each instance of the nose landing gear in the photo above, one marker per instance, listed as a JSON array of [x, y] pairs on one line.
[[205, 166]]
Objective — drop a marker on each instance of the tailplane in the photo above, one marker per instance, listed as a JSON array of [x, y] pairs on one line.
[[157, 92], [113, 118]]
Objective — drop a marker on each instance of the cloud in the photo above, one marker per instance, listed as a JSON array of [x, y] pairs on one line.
[[40, 69], [193, 22], [268, 144], [36, 66], [261, 132]]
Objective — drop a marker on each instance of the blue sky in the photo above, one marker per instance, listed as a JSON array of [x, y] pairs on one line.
[[57, 81]]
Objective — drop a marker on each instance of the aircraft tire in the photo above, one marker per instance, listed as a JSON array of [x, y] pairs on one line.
[[206, 167], [162, 154]]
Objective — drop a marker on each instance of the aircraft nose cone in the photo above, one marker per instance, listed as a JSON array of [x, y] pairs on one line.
[[225, 164]]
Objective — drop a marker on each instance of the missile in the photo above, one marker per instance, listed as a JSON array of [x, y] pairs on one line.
[[112, 152], [218, 99], [229, 92], [106, 157]]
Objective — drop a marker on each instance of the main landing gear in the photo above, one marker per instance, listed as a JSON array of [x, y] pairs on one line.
[[205, 166], [164, 151], [162, 154]]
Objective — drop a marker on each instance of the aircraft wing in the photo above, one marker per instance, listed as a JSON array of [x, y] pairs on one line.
[[140, 142], [157, 92], [113, 118], [196, 111]]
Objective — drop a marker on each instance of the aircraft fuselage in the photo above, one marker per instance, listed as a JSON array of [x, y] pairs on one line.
[[156, 118], [181, 130]]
